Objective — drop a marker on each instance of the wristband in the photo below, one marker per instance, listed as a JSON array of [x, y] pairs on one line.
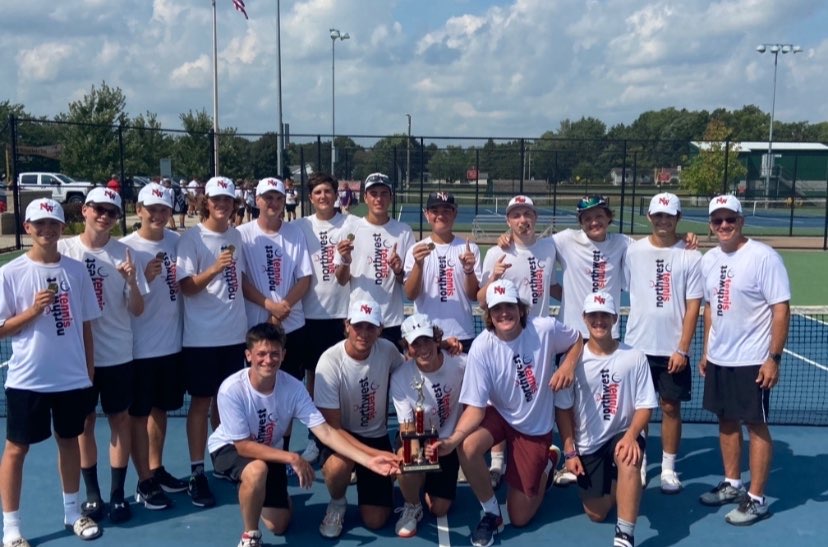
[[570, 455], [682, 353], [468, 272]]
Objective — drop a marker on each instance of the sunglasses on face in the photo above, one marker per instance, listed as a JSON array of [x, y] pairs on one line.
[[588, 202], [100, 210], [719, 221]]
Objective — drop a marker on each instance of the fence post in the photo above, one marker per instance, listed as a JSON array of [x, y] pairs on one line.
[[825, 227], [211, 137], [394, 181], [476, 179], [727, 157], [555, 187], [793, 195], [14, 186], [319, 155], [522, 162], [635, 177], [123, 178], [422, 185], [623, 187]]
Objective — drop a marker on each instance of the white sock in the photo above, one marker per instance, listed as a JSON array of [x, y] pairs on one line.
[[11, 526], [735, 483], [668, 462], [759, 499], [71, 508], [497, 460], [491, 506], [341, 502]]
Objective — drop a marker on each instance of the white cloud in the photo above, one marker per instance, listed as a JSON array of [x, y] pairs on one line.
[[42, 63], [192, 75]]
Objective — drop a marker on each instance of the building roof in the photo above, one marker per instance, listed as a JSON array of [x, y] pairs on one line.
[[758, 146]]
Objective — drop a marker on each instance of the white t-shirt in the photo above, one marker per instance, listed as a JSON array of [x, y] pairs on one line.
[[326, 298], [192, 187], [112, 331], [215, 316], [589, 266], [359, 389], [371, 276], [532, 271], [48, 354], [661, 281], [442, 295], [157, 331], [608, 389], [275, 262], [740, 288], [514, 376], [441, 393], [263, 417], [290, 196]]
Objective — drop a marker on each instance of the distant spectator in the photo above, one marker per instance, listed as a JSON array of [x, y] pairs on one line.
[[346, 197], [290, 200], [114, 184]]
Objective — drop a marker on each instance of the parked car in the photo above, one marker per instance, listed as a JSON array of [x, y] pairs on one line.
[[64, 188]]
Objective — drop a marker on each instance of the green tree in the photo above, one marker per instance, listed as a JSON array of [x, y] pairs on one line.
[[705, 176], [191, 151], [145, 144]]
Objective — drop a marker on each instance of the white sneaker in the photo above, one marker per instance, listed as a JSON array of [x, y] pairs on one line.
[[644, 470], [252, 538], [311, 453], [331, 526], [495, 476], [407, 524], [564, 478], [670, 483]]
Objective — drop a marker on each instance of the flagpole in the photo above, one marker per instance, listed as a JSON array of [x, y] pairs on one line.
[[215, 96], [280, 136]]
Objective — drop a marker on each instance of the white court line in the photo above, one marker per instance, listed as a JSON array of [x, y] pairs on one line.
[[443, 537], [399, 217], [823, 323], [809, 361]]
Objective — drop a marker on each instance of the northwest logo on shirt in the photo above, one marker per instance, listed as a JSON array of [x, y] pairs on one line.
[[380, 259], [326, 255], [723, 301], [267, 424], [443, 397], [445, 278], [97, 275], [525, 376], [535, 279], [663, 283], [60, 310], [609, 394], [367, 407], [170, 278], [273, 269], [231, 277], [598, 271]]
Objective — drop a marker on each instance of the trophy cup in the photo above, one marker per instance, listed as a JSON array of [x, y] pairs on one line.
[[416, 436]]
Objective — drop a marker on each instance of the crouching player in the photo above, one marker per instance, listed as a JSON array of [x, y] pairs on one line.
[[257, 405]]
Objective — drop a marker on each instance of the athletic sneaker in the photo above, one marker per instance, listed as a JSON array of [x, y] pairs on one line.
[[564, 477], [407, 524], [253, 538], [199, 490], [19, 542], [149, 493], [554, 458], [224, 476], [119, 511], [748, 512], [670, 483], [93, 509], [622, 539], [311, 453], [331, 526], [495, 476], [644, 470], [484, 534], [169, 483], [723, 494]]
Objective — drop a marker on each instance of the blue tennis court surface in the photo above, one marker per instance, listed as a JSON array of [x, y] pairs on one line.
[[798, 489]]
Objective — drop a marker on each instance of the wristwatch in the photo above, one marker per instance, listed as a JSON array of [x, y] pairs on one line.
[[777, 357]]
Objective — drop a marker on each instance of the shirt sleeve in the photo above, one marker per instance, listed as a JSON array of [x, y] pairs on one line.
[[326, 386], [475, 390]]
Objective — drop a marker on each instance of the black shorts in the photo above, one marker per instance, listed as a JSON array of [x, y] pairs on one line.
[[599, 468], [321, 334], [159, 383], [394, 334], [29, 414], [113, 386], [290, 208], [226, 460], [206, 368], [372, 489], [672, 387], [466, 344], [731, 393], [293, 362]]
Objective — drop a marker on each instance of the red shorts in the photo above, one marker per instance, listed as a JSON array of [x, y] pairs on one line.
[[526, 455]]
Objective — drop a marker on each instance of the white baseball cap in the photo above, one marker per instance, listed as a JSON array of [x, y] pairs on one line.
[[725, 202], [155, 194], [365, 311], [44, 208], [415, 326], [103, 195], [377, 178], [521, 201], [220, 186], [270, 184], [500, 292], [599, 302], [665, 202]]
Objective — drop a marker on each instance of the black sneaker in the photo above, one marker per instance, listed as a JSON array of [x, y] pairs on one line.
[[484, 534], [119, 511], [169, 483], [199, 490], [622, 539], [93, 509], [149, 493]]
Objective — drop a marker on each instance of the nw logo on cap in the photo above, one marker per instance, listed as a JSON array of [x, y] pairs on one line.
[[500, 290], [222, 184], [442, 196], [157, 193], [520, 199], [110, 194], [365, 309], [721, 200], [664, 201], [47, 207], [599, 299]]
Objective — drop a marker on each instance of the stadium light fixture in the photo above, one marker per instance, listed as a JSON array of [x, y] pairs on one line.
[[335, 35], [775, 49]]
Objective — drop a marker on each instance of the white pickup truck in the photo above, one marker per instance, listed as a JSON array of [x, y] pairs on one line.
[[64, 189]]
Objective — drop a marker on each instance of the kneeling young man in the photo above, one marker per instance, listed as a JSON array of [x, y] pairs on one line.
[[614, 398], [257, 405], [507, 399]]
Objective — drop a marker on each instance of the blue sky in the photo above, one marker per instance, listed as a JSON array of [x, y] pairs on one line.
[[459, 67]]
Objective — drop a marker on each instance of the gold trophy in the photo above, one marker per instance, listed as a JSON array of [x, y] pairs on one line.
[[416, 436]]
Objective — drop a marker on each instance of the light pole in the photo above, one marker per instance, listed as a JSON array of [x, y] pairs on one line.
[[280, 137], [335, 34], [774, 49], [408, 154]]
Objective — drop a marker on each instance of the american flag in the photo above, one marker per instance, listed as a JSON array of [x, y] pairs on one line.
[[239, 5]]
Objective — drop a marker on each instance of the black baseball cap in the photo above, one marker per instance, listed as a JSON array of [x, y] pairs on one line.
[[435, 199]]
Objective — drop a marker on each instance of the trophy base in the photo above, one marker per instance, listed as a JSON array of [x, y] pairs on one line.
[[420, 467]]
